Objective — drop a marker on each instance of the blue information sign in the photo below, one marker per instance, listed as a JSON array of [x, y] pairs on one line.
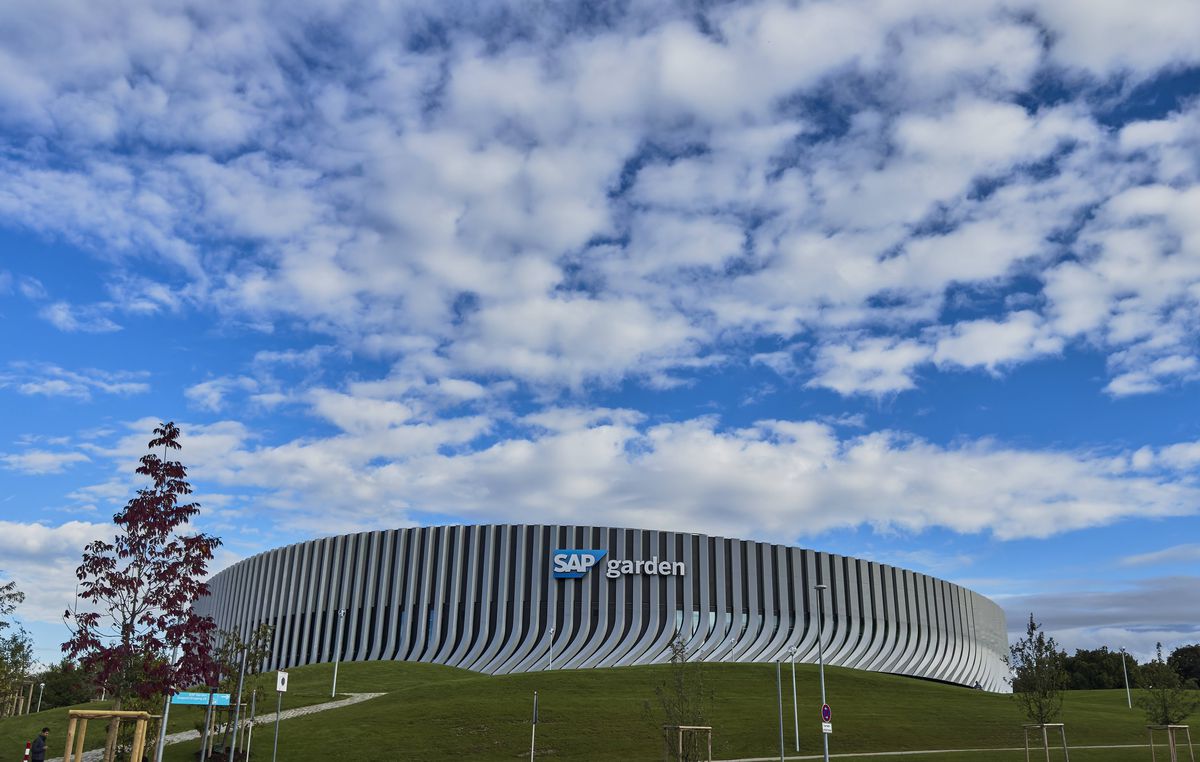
[[200, 699]]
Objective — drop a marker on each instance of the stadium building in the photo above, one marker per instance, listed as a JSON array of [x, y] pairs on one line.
[[515, 598]]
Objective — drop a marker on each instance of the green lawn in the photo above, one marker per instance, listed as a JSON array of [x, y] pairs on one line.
[[439, 713]]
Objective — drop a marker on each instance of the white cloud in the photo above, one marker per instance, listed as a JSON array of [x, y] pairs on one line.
[[990, 343], [1176, 554], [42, 461], [41, 559], [618, 469], [211, 395], [1106, 36], [44, 379], [70, 318], [869, 366], [31, 288]]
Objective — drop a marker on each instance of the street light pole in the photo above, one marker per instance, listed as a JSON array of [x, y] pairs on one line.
[[1128, 697], [779, 697], [41, 689], [795, 708], [337, 651], [821, 651], [551, 648]]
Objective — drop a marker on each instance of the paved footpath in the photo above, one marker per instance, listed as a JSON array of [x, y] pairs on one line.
[[95, 755], [865, 754]]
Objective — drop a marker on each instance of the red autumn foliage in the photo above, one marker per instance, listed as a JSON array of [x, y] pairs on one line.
[[137, 591]]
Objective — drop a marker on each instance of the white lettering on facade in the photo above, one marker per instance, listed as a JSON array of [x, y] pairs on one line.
[[616, 568]]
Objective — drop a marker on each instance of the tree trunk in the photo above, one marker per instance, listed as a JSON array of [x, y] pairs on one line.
[[110, 743]]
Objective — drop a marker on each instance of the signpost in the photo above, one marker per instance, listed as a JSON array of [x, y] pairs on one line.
[[779, 698], [162, 729], [826, 719], [210, 697], [281, 680], [250, 726], [533, 732]]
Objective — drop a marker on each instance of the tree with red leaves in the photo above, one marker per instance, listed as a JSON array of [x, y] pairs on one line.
[[134, 607]]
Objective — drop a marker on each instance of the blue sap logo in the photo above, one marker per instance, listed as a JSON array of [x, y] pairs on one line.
[[573, 564]]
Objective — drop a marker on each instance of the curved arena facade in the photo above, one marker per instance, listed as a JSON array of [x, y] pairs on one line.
[[514, 598]]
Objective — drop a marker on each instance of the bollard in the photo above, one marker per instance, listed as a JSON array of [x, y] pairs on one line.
[[27, 747]]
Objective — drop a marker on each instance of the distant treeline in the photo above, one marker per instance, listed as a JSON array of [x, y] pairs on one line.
[[1101, 668]]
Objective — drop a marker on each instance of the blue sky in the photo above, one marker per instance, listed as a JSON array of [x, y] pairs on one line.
[[911, 280]]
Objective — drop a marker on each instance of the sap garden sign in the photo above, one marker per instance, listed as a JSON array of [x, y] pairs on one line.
[[573, 564]]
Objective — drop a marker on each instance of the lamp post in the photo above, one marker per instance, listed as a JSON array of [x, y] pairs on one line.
[[779, 698], [551, 648], [795, 708], [1128, 697], [41, 688], [821, 651], [337, 651]]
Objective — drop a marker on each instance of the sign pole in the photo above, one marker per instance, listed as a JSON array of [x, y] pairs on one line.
[[162, 729], [237, 707], [821, 655], [207, 717], [281, 682], [795, 706], [533, 729], [337, 651], [779, 697], [250, 726], [278, 707], [1124, 671]]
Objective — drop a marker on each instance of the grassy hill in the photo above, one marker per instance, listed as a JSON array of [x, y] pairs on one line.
[[438, 713]]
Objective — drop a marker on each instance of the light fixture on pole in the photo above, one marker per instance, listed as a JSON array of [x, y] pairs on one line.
[[1128, 697], [337, 651], [795, 708], [551, 648], [41, 688], [821, 651]]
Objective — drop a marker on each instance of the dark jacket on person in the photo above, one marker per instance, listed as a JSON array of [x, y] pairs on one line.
[[37, 752]]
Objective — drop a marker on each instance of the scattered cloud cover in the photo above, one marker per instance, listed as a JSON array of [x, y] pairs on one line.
[[855, 274]]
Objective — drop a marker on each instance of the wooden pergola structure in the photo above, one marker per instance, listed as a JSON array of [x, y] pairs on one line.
[[77, 722]]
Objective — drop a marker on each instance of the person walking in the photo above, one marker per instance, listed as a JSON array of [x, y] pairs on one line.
[[37, 751]]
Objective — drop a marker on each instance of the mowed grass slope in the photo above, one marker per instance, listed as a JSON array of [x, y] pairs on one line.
[[438, 713]]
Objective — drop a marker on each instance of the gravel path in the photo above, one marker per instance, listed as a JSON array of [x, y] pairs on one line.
[[95, 755]]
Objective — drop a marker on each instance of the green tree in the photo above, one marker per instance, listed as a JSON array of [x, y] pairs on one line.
[[1185, 660], [1098, 669], [229, 656], [66, 684], [16, 647], [683, 699], [257, 648], [1039, 678], [1164, 698]]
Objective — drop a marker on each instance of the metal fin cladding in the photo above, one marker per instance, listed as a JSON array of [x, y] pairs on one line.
[[484, 598]]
